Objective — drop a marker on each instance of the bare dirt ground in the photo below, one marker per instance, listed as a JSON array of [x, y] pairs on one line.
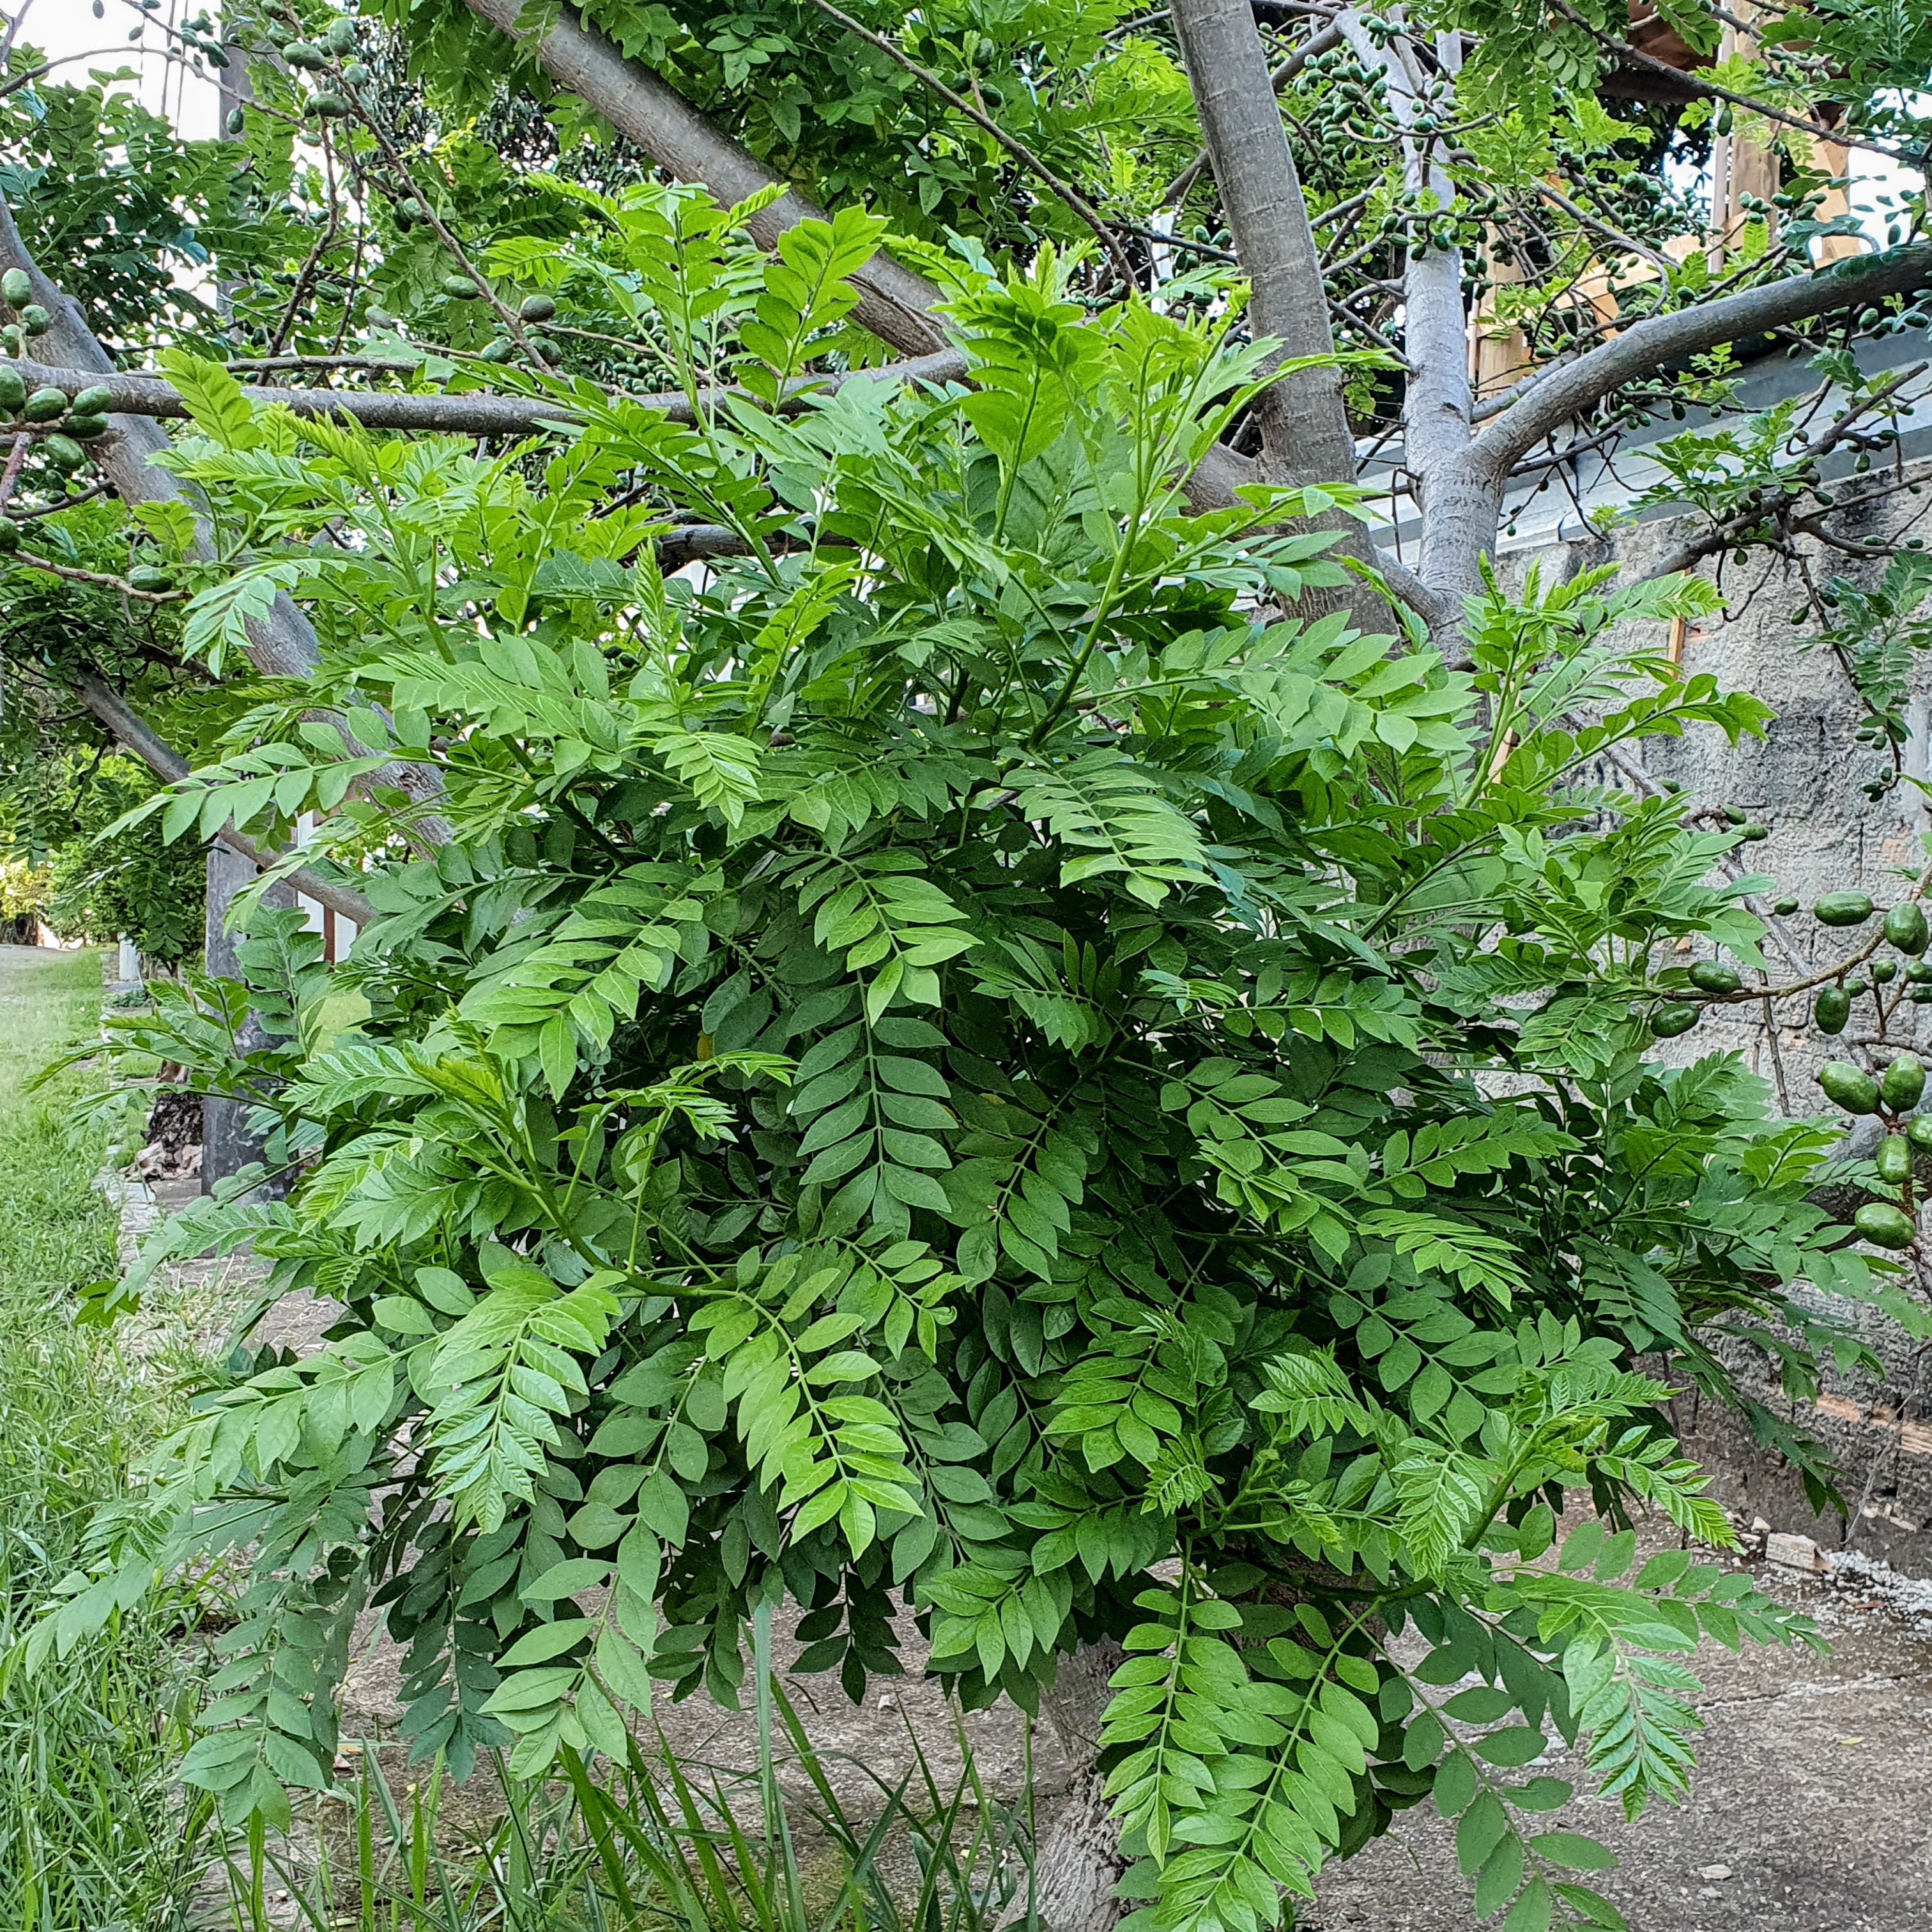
[[1810, 1811]]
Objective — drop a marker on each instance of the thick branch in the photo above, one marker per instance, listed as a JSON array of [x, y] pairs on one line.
[[1649, 347], [134, 735], [894, 303]]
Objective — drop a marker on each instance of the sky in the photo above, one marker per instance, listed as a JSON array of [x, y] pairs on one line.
[[63, 29]]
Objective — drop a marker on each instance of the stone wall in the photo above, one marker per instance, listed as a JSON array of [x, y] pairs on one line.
[[1804, 781]]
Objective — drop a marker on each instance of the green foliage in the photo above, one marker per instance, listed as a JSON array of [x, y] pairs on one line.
[[963, 1058]]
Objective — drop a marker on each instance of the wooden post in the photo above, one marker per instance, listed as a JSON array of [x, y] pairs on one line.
[[225, 1145]]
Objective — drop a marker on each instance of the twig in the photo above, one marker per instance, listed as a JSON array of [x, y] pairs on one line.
[[73, 576]]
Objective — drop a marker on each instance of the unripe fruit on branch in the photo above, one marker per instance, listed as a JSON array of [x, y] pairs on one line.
[[536, 308], [1711, 975], [1906, 929], [1903, 1083], [1667, 1022], [1849, 1087], [1832, 1009], [35, 320], [1884, 1226], [1843, 909], [45, 405], [17, 288]]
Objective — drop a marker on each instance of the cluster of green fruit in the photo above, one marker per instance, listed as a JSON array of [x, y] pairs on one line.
[[1906, 930], [1893, 1093], [30, 319], [338, 44]]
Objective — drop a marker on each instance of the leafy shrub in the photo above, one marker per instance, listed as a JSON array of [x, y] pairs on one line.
[[967, 1055]]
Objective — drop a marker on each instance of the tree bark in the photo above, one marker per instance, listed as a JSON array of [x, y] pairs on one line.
[[226, 1145], [1305, 433], [1077, 1861]]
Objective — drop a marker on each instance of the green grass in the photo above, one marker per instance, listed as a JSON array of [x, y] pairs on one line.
[[93, 1833], [97, 1836]]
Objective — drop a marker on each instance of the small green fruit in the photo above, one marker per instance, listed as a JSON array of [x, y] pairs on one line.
[[85, 429], [305, 54], [45, 405], [1849, 1087], [1919, 1131], [63, 453], [1784, 908], [1884, 971], [150, 576], [1921, 996], [536, 308], [1906, 930], [1903, 1082], [1753, 834], [546, 350], [357, 75], [1917, 972], [1832, 1009], [13, 391], [1667, 1022], [460, 288], [1843, 909], [500, 350], [1711, 975], [340, 38], [9, 535], [237, 122], [1884, 1226], [17, 288], [328, 106], [1894, 1160], [97, 400], [35, 320], [378, 317]]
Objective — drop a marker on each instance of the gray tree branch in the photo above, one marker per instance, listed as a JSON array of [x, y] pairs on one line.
[[132, 732], [895, 303], [1649, 347]]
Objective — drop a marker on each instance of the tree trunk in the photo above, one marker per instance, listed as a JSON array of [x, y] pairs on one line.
[[1077, 1861], [1305, 434]]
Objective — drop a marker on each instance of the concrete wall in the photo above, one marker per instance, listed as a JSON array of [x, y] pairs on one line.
[[1804, 781]]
